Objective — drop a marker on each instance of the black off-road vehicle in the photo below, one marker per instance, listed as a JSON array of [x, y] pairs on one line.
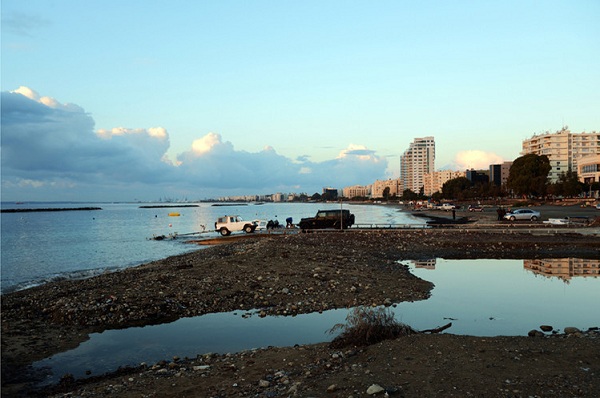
[[328, 219]]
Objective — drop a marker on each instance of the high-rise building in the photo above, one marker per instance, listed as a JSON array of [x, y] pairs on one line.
[[416, 161], [563, 148]]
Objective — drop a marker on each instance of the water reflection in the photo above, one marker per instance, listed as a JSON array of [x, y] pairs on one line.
[[561, 268], [480, 297], [564, 268], [427, 264]]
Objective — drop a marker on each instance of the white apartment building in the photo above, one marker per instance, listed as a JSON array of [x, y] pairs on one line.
[[434, 181], [277, 197], [563, 148], [417, 160], [357, 191], [379, 187]]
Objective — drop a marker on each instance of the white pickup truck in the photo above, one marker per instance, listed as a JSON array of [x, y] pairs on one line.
[[228, 224]]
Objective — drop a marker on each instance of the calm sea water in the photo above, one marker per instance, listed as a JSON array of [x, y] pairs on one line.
[[41, 246]]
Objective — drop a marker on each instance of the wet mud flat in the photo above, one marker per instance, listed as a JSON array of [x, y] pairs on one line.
[[287, 275]]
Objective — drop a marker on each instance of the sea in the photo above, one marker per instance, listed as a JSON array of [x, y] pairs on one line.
[[39, 247]]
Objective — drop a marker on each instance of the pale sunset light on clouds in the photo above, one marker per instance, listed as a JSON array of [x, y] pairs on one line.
[[476, 159], [204, 99]]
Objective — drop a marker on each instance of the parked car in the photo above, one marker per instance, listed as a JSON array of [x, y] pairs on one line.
[[475, 208], [522, 214], [328, 219], [449, 206]]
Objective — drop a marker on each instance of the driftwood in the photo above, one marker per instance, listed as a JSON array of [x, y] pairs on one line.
[[437, 330]]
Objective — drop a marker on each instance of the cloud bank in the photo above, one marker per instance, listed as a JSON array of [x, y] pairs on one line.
[[475, 159], [51, 151]]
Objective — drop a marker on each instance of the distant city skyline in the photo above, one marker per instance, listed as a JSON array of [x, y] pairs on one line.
[[125, 100]]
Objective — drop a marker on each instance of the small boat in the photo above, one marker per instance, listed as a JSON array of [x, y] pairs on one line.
[[174, 214]]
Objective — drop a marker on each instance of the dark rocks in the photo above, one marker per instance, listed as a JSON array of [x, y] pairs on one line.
[[535, 333]]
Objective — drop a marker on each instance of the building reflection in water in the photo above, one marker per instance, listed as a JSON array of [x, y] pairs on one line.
[[426, 264], [564, 268]]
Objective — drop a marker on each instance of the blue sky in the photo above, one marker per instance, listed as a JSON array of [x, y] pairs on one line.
[[123, 100]]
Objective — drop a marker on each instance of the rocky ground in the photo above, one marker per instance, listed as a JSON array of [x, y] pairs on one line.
[[302, 273]]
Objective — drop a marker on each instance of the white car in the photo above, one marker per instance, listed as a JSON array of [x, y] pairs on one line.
[[522, 214], [228, 224], [447, 206]]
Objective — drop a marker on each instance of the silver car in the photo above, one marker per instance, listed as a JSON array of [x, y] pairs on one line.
[[522, 214]]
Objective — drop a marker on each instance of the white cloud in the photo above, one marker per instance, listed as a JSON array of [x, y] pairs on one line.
[[207, 143], [360, 151], [31, 183], [48, 101], [476, 159]]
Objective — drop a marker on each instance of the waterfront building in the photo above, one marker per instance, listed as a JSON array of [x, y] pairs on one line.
[[499, 173], [477, 176], [434, 181], [588, 170], [378, 188], [357, 191], [330, 193], [417, 160], [563, 148]]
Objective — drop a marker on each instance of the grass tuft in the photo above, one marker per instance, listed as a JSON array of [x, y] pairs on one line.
[[366, 325]]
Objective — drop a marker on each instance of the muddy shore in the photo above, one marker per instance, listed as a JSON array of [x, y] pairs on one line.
[[303, 273]]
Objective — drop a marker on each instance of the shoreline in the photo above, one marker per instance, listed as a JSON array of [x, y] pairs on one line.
[[320, 271]]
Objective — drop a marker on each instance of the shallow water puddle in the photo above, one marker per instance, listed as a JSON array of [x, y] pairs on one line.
[[479, 297]]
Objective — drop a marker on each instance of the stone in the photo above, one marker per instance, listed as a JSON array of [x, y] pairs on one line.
[[535, 333], [546, 328], [264, 384], [332, 388], [571, 330], [375, 389]]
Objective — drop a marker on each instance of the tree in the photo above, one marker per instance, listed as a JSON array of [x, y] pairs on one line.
[[528, 175], [386, 193], [456, 188], [567, 185], [407, 194], [436, 196]]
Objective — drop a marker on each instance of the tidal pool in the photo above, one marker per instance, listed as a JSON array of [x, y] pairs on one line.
[[479, 297]]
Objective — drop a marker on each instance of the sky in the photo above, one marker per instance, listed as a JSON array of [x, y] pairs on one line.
[[120, 100]]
